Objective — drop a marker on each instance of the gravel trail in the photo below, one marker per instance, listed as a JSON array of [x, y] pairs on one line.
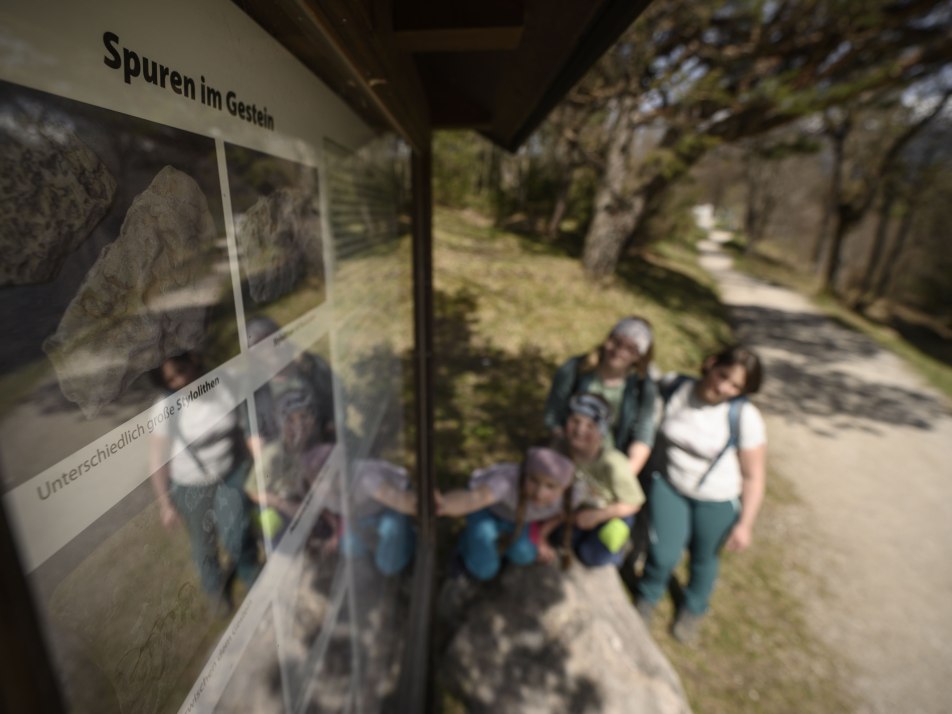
[[868, 446]]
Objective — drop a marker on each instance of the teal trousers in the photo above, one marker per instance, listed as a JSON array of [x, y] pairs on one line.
[[679, 523]]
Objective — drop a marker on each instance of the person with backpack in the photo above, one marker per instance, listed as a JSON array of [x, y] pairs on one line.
[[708, 477], [617, 371]]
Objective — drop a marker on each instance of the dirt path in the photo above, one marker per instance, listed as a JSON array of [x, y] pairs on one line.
[[868, 446]]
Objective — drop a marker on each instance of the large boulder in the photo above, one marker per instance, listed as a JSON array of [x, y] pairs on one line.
[[542, 640], [144, 299], [54, 190], [279, 240]]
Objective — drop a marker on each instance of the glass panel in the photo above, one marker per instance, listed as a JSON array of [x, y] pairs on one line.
[[204, 376]]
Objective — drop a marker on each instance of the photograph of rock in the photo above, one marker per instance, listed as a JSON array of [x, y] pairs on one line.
[[53, 188], [277, 231], [114, 259], [129, 309]]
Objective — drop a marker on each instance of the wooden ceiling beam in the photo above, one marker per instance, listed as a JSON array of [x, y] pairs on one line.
[[459, 39], [453, 106], [484, 26]]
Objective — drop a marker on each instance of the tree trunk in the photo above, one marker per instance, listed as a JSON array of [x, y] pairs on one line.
[[760, 206], [561, 206], [874, 266], [845, 219], [652, 198], [753, 195], [887, 278], [828, 227], [616, 211], [763, 219], [614, 221], [851, 213]]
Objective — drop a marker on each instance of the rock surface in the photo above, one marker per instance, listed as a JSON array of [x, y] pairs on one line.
[[53, 192], [145, 298], [279, 240], [540, 640], [322, 643]]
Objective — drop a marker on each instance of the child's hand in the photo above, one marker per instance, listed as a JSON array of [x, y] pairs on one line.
[[588, 518], [410, 503], [330, 546], [404, 502], [459, 502], [451, 504], [545, 553]]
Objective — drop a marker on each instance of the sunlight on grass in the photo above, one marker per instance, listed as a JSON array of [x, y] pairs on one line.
[[544, 301]]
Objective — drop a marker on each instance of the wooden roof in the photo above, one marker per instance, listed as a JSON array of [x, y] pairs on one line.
[[495, 66]]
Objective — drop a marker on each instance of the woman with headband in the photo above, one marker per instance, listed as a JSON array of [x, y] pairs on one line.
[[617, 370]]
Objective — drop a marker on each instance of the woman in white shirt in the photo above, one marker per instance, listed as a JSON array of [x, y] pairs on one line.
[[708, 476], [200, 462]]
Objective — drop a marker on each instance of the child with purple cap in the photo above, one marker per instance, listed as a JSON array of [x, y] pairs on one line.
[[511, 509], [381, 515]]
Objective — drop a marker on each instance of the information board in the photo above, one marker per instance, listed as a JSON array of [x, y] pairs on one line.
[[205, 294]]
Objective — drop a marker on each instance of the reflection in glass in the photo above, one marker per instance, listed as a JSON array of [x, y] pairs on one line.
[[200, 463], [276, 211], [380, 525], [295, 429], [252, 556]]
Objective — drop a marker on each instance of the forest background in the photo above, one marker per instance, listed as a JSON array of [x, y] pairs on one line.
[[820, 130]]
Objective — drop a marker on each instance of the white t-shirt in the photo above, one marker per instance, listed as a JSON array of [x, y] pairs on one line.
[[695, 433], [214, 447]]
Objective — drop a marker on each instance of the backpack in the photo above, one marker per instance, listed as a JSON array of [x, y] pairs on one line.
[[733, 420], [633, 382]]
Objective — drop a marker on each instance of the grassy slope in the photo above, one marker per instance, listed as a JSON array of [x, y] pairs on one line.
[[509, 310]]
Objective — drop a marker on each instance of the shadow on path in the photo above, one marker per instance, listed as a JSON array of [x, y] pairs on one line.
[[817, 337], [820, 387]]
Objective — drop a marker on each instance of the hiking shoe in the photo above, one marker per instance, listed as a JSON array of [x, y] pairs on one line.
[[687, 627], [645, 609]]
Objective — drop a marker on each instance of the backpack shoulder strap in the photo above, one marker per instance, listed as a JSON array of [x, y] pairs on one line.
[[577, 361], [733, 420], [668, 390], [580, 374], [733, 437], [176, 432]]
